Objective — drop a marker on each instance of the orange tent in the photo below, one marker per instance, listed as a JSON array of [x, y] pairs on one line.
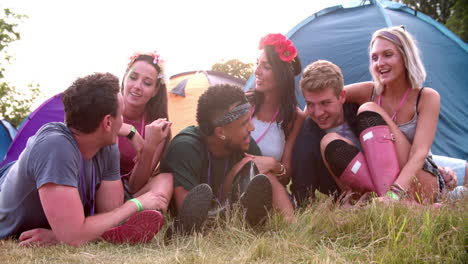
[[184, 90]]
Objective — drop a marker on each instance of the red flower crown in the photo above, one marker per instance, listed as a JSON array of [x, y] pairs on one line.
[[283, 46]]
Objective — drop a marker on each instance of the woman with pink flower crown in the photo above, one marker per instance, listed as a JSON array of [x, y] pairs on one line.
[[275, 113], [144, 134]]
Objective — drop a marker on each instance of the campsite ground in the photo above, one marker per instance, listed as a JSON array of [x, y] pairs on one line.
[[322, 234]]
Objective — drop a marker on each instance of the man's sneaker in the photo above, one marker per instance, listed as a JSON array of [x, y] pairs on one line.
[[242, 181], [194, 210], [140, 228], [217, 210], [257, 200], [217, 214]]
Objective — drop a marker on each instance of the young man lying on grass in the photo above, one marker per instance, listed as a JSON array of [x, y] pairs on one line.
[[65, 187]]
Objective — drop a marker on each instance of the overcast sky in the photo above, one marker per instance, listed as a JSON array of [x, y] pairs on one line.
[[63, 40]]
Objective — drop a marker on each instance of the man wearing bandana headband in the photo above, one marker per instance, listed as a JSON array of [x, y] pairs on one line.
[[206, 159]]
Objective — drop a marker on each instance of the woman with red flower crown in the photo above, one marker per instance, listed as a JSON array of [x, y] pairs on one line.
[[144, 134], [275, 113]]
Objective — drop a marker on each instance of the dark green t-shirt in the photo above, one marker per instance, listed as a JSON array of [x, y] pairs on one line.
[[187, 159]]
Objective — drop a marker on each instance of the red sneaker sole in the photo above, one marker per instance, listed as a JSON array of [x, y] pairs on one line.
[[140, 228]]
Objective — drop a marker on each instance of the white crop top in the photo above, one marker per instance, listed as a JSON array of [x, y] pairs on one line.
[[272, 143]]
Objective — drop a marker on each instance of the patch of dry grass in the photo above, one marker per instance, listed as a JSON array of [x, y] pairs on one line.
[[322, 234]]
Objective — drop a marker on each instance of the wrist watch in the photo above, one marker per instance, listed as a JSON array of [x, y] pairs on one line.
[[132, 132]]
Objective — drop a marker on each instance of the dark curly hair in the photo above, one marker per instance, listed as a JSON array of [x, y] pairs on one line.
[[89, 99], [156, 107], [214, 102], [284, 76]]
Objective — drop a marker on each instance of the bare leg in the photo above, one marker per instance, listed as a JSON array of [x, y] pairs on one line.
[[179, 196], [162, 186], [281, 201]]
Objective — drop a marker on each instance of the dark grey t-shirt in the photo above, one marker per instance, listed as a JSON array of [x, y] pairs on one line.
[[50, 156]]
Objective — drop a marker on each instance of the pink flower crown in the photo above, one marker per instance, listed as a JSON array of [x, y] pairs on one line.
[[283, 46], [157, 60]]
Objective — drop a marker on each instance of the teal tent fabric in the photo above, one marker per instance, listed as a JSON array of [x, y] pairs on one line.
[[7, 134]]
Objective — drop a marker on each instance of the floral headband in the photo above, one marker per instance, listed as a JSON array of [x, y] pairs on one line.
[[283, 46], [157, 60]]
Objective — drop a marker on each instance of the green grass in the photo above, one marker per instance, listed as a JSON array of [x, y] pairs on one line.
[[323, 233]]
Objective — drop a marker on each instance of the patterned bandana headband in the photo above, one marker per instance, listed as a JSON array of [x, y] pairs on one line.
[[157, 60], [232, 115], [283, 46]]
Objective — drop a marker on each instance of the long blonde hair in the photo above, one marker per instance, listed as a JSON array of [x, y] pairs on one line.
[[406, 44]]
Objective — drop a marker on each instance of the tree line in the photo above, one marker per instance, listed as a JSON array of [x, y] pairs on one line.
[[14, 104]]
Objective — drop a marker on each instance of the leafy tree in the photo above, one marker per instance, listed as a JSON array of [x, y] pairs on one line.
[[234, 67], [458, 22], [452, 13], [14, 105], [439, 10]]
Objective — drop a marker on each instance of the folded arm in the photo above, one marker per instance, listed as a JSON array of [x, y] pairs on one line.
[[64, 211]]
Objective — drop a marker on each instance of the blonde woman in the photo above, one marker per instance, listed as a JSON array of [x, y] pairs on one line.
[[398, 119]]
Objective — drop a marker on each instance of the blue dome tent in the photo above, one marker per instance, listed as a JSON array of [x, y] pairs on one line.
[[7, 134], [342, 35]]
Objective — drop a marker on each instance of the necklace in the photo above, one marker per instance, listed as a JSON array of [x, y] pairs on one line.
[[142, 129], [379, 101], [269, 124]]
